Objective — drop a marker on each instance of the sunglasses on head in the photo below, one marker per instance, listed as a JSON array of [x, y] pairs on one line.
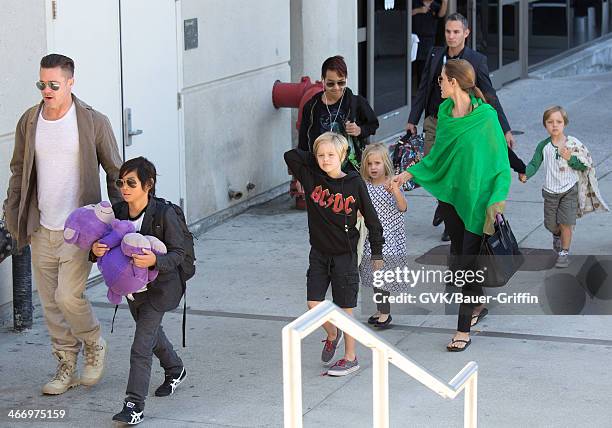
[[131, 182], [51, 84], [332, 83]]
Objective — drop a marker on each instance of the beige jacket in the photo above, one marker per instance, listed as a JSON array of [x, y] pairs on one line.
[[97, 147], [589, 197]]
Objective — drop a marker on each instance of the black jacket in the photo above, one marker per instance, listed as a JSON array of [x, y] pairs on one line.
[[332, 204], [429, 83], [161, 221], [359, 111]]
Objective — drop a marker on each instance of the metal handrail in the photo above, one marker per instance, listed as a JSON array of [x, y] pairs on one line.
[[382, 352]]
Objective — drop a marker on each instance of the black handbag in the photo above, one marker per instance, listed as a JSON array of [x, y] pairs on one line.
[[499, 257], [7, 243]]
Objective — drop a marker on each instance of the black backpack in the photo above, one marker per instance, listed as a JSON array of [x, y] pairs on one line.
[[187, 267]]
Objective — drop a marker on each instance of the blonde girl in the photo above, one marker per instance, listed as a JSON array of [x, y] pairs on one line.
[[390, 205]]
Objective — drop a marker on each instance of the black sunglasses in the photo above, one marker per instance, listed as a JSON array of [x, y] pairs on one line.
[[51, 84], [129, 181], [331, 83]]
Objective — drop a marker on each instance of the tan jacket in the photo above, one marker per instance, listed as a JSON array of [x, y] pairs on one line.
[[97, 147], [589, 197]]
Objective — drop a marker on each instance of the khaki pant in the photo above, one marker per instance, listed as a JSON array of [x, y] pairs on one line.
[[429, 127], [60, 272]]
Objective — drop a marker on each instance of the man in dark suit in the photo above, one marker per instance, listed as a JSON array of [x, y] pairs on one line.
[[429, 97]]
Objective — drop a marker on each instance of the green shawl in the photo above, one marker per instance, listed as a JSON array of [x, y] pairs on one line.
[[467, 166]]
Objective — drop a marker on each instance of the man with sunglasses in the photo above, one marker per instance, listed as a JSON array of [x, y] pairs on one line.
[[59, 147], [429, 97]]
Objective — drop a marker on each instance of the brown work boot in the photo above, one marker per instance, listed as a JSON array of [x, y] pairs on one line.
[[95, 353], [66, 375]]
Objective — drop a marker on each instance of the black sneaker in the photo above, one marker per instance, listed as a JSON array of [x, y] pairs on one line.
[[132, 414], [170, 384]]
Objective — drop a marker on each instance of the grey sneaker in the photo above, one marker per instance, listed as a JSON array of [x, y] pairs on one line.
[[329, 349], [557, 243], [563, 260], [343, 367]]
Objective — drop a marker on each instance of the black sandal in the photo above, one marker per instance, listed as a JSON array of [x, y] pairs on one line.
[[373, 319], [385, 323], [483, 313], [451, 348]]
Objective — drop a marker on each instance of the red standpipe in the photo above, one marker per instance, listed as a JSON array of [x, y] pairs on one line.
[[295, 95]]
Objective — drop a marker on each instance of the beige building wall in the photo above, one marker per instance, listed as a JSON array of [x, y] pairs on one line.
[[233, 134]]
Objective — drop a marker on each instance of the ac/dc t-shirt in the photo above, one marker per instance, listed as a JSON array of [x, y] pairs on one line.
[[332, 205]]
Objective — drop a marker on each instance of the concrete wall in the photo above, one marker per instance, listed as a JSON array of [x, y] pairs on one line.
[[233, 134], [22, 44], [320, 29]]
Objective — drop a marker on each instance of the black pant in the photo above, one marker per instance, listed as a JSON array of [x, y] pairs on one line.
[[465, 247], [384, 307], [149, 339], [439, 213]]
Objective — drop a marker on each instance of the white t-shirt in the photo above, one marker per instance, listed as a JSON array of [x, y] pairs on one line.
[[57, 168], [560, 177], [138, 222], [137, 225]]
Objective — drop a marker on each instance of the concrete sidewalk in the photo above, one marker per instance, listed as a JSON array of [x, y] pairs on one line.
[[534, 371]]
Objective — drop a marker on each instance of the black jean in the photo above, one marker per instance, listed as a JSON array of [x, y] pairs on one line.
[[465, 247], [149, 339]]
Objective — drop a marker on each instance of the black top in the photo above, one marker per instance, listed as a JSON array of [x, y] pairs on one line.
[[331, 117], [315, 118], [425, 25], [516, 163], [332, 205]]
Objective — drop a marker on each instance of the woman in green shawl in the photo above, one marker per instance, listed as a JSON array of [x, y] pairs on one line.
[[468, 171]]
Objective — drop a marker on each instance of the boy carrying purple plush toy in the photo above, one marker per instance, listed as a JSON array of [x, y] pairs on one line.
[[148, 216]]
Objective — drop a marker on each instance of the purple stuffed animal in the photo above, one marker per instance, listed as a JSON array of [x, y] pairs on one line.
[[120, 228], [87, 224], [120, 274]]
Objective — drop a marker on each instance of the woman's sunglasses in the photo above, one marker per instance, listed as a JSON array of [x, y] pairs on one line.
[[131, 182], [51, 84]]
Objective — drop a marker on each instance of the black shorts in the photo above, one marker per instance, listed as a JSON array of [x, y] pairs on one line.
[[339, 270]]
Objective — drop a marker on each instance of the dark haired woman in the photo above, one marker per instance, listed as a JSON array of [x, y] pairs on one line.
[[338, 110], [137, 185], [468, 171]]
